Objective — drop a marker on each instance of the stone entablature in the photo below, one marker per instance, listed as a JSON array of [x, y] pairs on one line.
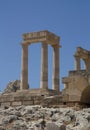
[[85, 56], [41, 36], [82, 53], [75, 72]]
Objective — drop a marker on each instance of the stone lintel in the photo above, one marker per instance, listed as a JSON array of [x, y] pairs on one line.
[[82, 53], [41, 36]]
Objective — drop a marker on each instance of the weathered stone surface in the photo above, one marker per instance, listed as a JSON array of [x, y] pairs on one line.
[[5, 104], [12, 86], [46, 38], [42, 36], [16, 103], [77, 84], [53, 126], [28, 102], [31, 117], [52, 100]]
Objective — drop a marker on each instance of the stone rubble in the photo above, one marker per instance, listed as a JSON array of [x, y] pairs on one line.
[[39, 118], [12, 86]]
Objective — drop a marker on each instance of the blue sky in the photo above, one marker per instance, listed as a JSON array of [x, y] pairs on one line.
[[69, 19]]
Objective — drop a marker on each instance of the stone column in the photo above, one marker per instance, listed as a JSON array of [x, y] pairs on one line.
[[55, 76], [87, 64], [44, 66], [24, 71], [77, 63]]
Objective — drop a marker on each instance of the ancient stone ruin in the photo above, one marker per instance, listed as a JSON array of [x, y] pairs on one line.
[[76, 86], [45, 38]]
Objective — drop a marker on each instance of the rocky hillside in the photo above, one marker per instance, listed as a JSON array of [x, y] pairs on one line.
[[36, 117]]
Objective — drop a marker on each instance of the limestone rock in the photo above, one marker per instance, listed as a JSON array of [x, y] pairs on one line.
[[35, 117], [12, 86], [53, 126]]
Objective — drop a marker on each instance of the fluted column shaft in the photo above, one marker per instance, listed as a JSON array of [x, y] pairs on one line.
[[55, 76], [24, 71], [44, 66], [77, 63]]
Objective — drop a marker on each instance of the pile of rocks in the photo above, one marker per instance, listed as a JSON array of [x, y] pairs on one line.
[[12, 86], [37, 117]]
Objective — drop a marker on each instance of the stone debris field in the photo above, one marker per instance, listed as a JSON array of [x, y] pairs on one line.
[[39, 118]]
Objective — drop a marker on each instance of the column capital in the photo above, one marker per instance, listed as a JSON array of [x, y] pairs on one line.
[[76, 56], [56, 46], [25, 43]]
